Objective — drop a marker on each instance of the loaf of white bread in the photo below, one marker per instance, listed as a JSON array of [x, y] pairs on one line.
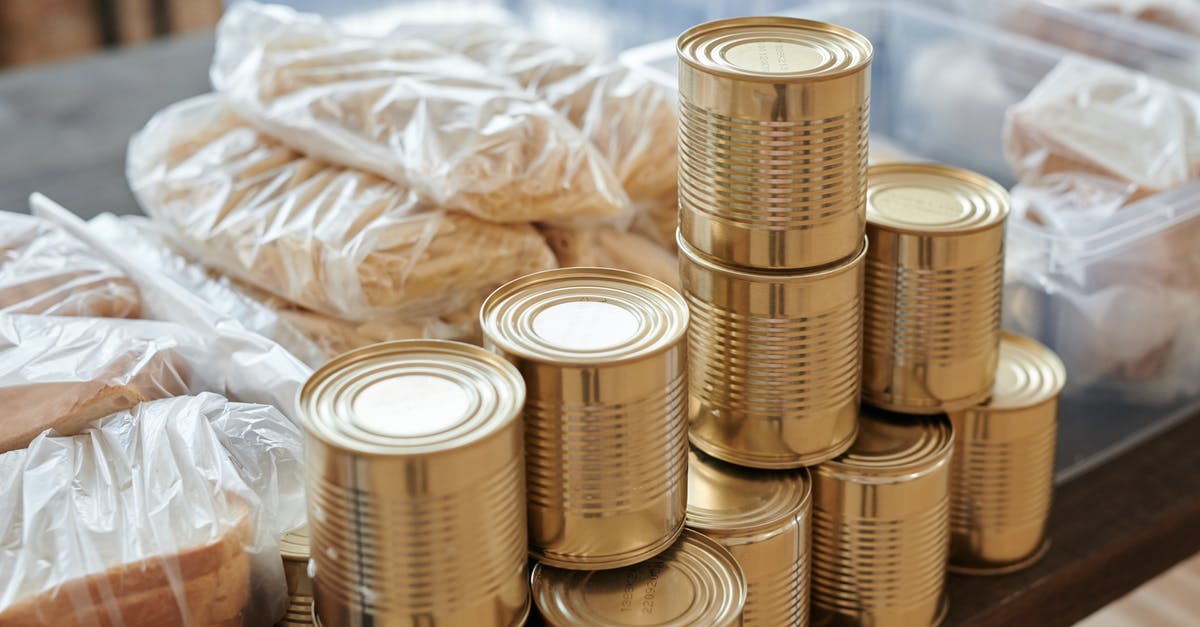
[[45, 270]]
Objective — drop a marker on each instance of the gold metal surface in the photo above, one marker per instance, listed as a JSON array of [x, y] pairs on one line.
[[694, 582], [775, 368], [931, 325], [881, 528], [604, 360], [763, 518], [416, 487], [773, 131], [293, 547], [1002, 478]]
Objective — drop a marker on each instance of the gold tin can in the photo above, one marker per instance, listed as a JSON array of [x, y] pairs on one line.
[[931, 328], [416, 491], [773, 124], [293, 547], [603, 355], [696, 581], [763, 518], [881, 526], [775, 368], [1002, 478]]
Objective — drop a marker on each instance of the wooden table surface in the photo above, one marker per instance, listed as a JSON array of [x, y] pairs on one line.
[[63, 131]]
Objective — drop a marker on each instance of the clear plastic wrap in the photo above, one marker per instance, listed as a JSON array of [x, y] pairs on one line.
[[333, 240], [1098, 122], [611, 248], [168, 514], [310, 336], [454, 132], [44, 270], [1180, 15], [631, 119]]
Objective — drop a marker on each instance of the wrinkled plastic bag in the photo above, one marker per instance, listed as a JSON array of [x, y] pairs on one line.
[[333, 240], [611, 248], [1101, 122], [168, 514], [44, 270], [312, 337], [451, 130], [629, 118]]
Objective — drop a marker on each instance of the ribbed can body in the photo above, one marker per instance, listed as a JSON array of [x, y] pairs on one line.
[[775, 365], [295, 569], [880, 542], [773, 132], [603, 356], [776, 564], [436, 541]]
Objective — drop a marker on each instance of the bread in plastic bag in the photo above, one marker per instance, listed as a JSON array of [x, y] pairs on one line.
[[1089, 118], [333, 240], [312, 337], [630, 119], [611, 248], [454, 132], [44, 270], [167, 514]]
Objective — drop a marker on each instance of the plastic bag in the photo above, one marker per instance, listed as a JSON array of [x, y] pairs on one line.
[[610, 248], [629, 118], [1180, 15], [45, 270], [1098, 121], [168, 514], [310, 336], [333, 240], [451, 130]]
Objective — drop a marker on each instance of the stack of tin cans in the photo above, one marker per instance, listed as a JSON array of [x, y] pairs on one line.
[[436, 468]]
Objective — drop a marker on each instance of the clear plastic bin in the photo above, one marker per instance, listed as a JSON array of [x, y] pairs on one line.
[[940, 87]]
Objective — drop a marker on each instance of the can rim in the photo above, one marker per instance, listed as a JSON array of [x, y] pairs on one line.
[[789, 504], [803, 275], [984, 188], [637, 293], [925, 455], [1030, 357], [697, 35], [498, 388], [295, 544]]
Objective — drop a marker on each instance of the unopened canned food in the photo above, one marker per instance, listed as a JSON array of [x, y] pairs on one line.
[[881, 527], [1002, 477], [934, 277], [416, 491], [293, 547], [773, 119], [604, 360], [763, 518], [694, 582], [775, 368]]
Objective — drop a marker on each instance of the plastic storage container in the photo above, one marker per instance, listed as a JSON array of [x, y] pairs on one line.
[[1120, 303]]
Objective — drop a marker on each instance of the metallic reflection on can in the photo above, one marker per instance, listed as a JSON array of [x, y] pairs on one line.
[[881, 527], [763, 518], [603, 356], [775, 368], [1002, 478], [773, 141], [416, 491], [293, 547], [931, 325], [694, 582]]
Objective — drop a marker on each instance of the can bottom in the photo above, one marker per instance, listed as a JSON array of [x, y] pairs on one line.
[[773, 463], [610, 562], [520, 620], [1004, 569], [837, 620], [954, 404]]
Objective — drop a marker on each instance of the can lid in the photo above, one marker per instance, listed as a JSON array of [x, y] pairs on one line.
[[1028, 374], [773, 49], [893, 446], [410, 397], [584, 316], [692, 256], [724, 498], [294, 546], [927, 198], [694, 582]]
